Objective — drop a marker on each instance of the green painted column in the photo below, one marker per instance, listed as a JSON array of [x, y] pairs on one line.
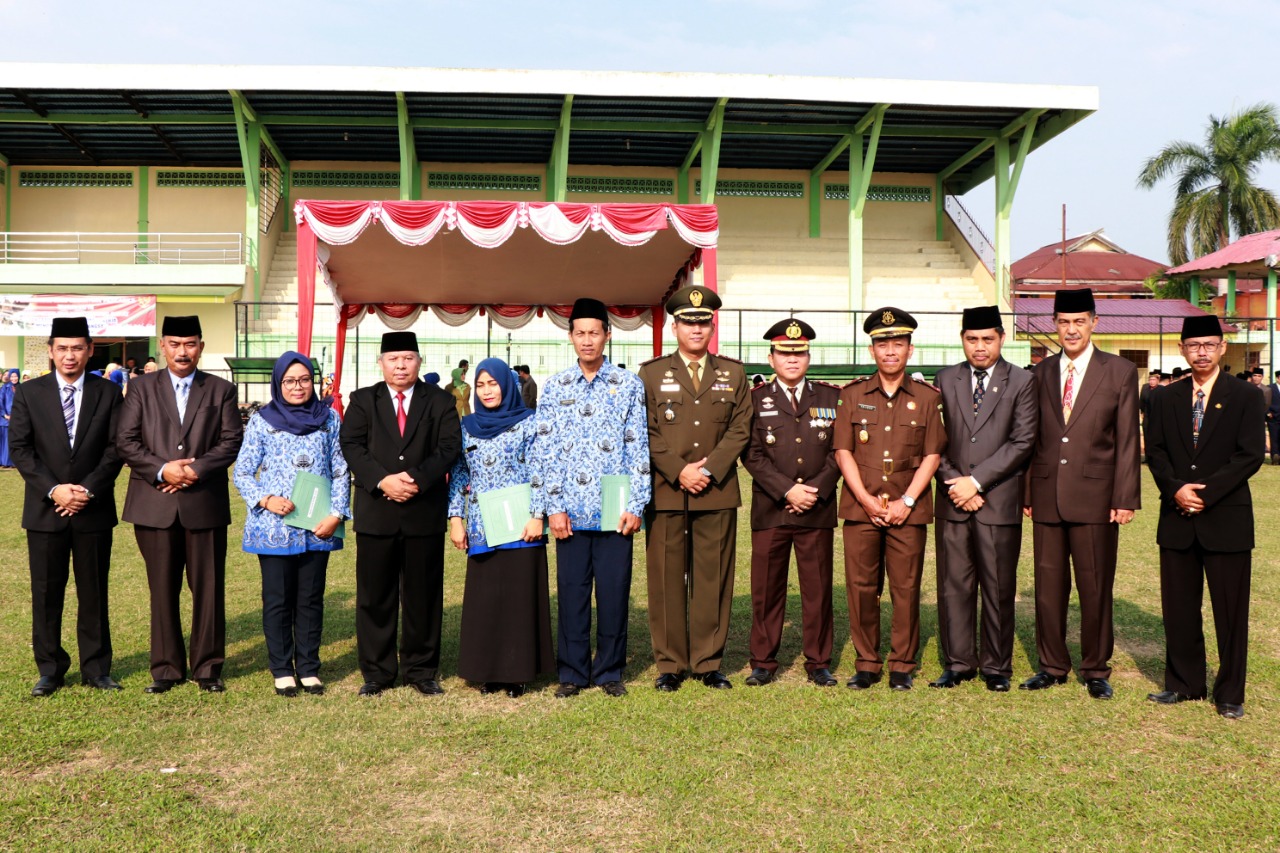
[[857, 279], [682, 185], [1231, 293], [939, 208], [1193, 290], [408, 151], [144, 209], [1006, 189], [286, 196], [1271, 320]]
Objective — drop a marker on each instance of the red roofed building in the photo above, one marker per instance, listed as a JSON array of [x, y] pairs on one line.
[[1091, 261]]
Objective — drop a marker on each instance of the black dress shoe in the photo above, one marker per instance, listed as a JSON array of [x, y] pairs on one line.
[[900, 681], [567, 690], [491, 687], [1099, 688], [668, 682], [1041, 680], [427, 687], [102, 682], [163, 685], [997, 683], [952, 678], [47, 685], [862, 680], [313, 689], [1231, 712], [823, 678], [615, 689], [1171, 697], [515, 691], [287, 692], [714, 679], [759, 677], [211, 685], [372, 688]]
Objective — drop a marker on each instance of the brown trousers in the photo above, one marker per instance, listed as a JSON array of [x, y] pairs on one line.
[[770, 560], [902, 549], [705, 603], [1091, 550], [167, 551]]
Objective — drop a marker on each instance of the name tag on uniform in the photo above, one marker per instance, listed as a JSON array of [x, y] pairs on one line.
[[722, 386], [671, 387], [867, 406], [767, 414]]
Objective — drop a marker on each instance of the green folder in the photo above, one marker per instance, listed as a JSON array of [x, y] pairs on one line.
[[311, 494], [504, 513], [615, 491]]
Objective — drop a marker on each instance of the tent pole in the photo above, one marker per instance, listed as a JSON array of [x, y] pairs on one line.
[[306, 285], [709, 281], [655, 313]]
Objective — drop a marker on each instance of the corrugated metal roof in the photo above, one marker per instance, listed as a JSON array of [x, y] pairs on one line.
[[1115, 316], [1249, 250]]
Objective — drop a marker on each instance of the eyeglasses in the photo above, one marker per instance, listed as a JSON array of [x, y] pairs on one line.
[[299, 382], [1201, 347]]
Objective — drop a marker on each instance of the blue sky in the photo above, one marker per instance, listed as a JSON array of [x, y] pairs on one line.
[[1161, 68]]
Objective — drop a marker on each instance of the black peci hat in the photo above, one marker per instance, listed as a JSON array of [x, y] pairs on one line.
[[1074, 301], [1201, 326], [399, 342], [589, 309], [181, 327], [69, 327], [986, 317]]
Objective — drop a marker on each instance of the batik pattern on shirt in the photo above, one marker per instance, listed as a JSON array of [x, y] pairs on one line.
[[269, 458], [588, 430], [488, 464]]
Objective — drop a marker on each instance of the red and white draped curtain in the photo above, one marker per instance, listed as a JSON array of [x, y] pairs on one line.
[[487, 224]]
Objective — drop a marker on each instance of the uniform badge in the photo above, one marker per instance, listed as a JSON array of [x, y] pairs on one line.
[[863, 436], [770, 438], [669, 415], [822, 435], [695, 298], [793, 331], [911, 404], [766, 403]]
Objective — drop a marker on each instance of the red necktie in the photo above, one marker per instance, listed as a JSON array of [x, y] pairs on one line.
[[401, 416], [1068, 393]]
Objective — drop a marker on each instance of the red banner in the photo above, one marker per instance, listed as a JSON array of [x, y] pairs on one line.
[[109, 316]]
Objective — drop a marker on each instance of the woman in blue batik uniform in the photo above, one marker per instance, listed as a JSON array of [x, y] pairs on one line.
[[295, 432], [11, 378], [506, 610]]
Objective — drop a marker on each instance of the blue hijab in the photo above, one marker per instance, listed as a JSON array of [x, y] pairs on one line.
[[6, 392], [488, 423], [118, 376], [302, 419]]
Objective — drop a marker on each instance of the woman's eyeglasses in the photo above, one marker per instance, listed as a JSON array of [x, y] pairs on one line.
[[299, 382]]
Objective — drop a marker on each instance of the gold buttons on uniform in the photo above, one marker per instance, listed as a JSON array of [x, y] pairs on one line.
[[799, 439]]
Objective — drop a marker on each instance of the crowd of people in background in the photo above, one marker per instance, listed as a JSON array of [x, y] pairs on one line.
[[500, 472]]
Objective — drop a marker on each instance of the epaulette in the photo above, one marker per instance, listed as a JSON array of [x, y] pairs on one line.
[[855, 381], [762, 387], [728, 358], [652, 360], [926, 384], [824, 384]]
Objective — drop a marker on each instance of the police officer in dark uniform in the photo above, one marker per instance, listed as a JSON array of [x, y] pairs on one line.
[[793, 504], [699, 423], [889, 440]]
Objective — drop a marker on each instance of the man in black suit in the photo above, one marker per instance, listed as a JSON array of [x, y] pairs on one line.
[[989, 407], [1272, 398], [400, 438], [69, 509], [180, 431], [1203, 445]]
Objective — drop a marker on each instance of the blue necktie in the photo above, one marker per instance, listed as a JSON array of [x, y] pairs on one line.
[[1197, 418], [182, 400]]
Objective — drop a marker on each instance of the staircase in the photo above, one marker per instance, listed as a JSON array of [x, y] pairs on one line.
[[279, 314]]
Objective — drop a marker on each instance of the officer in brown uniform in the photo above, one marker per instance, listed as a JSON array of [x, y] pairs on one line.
[[889, 440], [699, 423], [793, 503]]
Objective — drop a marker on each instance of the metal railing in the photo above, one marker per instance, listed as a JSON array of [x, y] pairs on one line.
[[120, 247], [972, 232]]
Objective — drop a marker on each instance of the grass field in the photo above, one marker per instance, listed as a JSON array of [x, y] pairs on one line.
[[784, 767]]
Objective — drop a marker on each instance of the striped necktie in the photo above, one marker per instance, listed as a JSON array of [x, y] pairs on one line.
[[69, 410], [182, 399], [1197, 418]]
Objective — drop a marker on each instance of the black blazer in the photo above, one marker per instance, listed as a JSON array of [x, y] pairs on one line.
[[41, 452], [374, 448], [1230, 450]]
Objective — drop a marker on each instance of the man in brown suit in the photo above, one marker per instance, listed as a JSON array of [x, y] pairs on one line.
[[889, 440], [699, 423], [1083, 486], [990, 411], [179, 432], [793, 503]]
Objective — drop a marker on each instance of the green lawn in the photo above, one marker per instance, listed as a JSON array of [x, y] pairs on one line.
[[787, 766]]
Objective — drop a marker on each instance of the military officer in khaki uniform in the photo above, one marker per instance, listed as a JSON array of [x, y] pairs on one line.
[[793, 504], [889, 440], [699, 423]]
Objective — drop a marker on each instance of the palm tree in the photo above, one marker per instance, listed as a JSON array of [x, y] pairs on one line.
[[1215, 189]]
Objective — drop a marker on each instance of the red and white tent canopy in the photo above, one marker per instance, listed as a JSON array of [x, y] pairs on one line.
[[514, 260]]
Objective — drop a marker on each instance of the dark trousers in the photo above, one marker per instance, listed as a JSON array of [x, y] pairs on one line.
[[51, 556], [1182, 579], [202, 554], [902, 549], [1091, 550], [770, 561], [705, 603], [977, 558], [1273, 431], [293, 611], [602, 557], [404, 576]]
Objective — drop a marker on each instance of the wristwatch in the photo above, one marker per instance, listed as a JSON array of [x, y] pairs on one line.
[[706, 473], [909, 501]]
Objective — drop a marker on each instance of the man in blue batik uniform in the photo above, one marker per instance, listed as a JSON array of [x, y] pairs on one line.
[[591, 425]]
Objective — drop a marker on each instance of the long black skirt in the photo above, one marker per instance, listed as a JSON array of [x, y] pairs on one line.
[[506, 618]]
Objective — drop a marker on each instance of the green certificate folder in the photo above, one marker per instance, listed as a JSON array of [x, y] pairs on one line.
[[615, 491], [504, 513], [310, 497]]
